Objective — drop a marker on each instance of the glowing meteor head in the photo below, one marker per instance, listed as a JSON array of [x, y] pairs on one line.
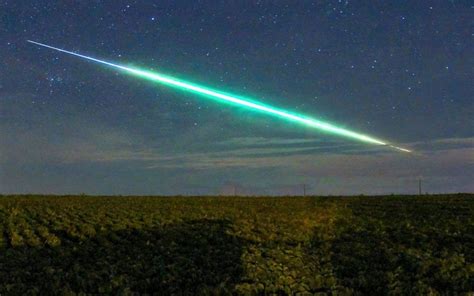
[[236, 100], [400, 149]]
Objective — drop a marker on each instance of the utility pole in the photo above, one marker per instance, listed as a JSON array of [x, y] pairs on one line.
[[419, 186]]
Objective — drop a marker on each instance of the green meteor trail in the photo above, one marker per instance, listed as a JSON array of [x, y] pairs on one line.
[[235, 100]]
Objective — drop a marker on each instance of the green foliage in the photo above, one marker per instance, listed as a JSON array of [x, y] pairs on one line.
[[202, 245]]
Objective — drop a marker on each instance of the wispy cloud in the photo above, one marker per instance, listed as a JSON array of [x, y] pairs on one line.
[[333, 165], [443, 144], [105, 145], [261, 141]]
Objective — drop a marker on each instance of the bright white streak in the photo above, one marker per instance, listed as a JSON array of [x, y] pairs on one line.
[[194, 88], [400, 148]]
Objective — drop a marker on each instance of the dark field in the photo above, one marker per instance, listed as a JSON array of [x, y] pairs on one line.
[[331, 245]]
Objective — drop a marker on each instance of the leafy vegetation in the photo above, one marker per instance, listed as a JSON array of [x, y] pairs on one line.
[[204, 245]]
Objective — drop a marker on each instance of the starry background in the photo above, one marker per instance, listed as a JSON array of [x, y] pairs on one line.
[[397, 70]]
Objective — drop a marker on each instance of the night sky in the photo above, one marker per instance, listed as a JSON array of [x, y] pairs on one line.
[[401, 71]]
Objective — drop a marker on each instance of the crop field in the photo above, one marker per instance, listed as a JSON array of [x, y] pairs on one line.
[[237, 245]]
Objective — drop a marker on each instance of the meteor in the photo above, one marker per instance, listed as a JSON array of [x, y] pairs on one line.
[[234, 100]]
